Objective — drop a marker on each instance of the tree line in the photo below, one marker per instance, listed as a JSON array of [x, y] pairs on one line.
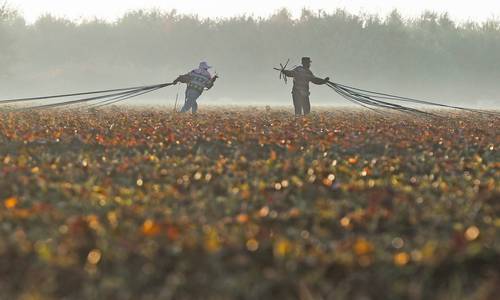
[[430, 56]]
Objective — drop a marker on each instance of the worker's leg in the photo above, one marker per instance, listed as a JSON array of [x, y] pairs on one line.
[[186, 107], [191, 96], [187, 103], [297, 104], [194, 106], [306, 105]]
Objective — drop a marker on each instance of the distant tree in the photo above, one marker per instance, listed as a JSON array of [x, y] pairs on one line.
[[5, 38], [4, 11], [430, 55]]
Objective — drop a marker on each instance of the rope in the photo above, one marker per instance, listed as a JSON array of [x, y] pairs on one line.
[[125, 98], [114, 97], [75, 94], [375, 100]]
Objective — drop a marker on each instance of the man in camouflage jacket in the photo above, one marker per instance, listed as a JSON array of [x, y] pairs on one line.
[[197, 81]]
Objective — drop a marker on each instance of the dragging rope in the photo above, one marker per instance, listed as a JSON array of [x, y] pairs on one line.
[[383, 102], [102, 98]]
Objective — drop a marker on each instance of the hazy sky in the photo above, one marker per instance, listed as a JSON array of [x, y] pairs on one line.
[[464, 10]]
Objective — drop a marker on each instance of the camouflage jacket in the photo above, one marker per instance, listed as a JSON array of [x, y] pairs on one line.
[[197, 80]]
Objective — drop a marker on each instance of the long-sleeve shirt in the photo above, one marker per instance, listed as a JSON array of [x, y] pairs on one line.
[[301, 78]]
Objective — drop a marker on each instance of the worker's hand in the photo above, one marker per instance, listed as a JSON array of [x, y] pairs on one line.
[[327, 79], [215, 78]]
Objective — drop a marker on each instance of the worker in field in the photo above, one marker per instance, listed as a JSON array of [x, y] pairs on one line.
[[302, 75], [197, 81]]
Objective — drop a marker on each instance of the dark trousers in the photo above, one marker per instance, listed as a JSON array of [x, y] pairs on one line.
[[301, 104], [191, 96]]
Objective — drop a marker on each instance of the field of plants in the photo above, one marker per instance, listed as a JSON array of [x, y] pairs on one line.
[[132, 203]]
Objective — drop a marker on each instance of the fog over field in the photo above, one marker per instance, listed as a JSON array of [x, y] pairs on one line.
[[430, 57]]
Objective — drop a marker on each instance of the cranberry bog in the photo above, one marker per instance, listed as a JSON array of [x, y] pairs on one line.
[[142, 203]]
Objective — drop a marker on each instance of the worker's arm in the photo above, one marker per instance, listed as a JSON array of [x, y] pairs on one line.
[[288, 73], [210, 84], [319, 81], [182, 79]]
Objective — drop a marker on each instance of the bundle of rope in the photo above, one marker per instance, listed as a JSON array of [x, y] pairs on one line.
[[376, 100], [97, 100], [383, 102]]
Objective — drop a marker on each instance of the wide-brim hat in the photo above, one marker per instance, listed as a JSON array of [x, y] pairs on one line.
[[204, 65]]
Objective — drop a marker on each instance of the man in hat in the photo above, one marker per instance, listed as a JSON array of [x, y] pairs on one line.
[[197, 81], [302, 75]]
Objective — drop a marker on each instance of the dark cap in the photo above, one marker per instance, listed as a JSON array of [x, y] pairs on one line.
[[306, 59]]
